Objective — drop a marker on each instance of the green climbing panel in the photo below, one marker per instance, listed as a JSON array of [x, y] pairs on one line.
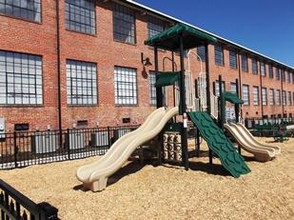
[[219, 144]]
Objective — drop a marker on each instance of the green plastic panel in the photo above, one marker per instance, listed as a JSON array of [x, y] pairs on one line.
[[219, 144]]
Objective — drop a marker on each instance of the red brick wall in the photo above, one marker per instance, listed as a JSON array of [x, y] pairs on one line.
[[40, 39]]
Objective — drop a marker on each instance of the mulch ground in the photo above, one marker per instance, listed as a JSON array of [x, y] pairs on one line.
[[139, 191]]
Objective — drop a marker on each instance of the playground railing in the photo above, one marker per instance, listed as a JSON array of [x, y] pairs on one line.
[[20, 149], [15, 205]]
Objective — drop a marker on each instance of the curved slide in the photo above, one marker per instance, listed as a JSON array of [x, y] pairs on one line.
[[262, 152], [95, 175]]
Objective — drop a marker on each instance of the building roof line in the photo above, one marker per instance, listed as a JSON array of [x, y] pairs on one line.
[[207, 32]]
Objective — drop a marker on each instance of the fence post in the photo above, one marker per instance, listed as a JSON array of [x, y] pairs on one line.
[[15, 148], [109, 138], [48, 212], [68, 143]]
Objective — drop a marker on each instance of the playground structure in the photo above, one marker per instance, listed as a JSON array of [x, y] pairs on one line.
[[171, 135]]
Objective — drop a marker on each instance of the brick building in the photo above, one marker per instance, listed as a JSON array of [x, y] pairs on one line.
[[81, 63]]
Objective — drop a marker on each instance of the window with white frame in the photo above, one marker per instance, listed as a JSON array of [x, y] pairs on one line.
[[152, 88], [233, 59], [278, 97], [24, 9], [125, 86], [264, 95], [245, 94], [217, 92], [254, 66], [219, 55], [233, 87], [123, 24], [81, 79], [20, 79], [155, 26], [289, 98], [284, 98], [80, 16], [255, 95], [271, 96], [244, 62], [262, 68]]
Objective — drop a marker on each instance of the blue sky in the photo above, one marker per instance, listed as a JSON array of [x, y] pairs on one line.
[[266, 26]]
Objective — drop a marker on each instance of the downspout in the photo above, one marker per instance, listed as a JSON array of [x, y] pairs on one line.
[[282, 87], [260, 79], [240, 92], [207, 80], [58, 73]]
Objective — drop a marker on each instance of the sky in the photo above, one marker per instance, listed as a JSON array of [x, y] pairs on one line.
[[266, 26]]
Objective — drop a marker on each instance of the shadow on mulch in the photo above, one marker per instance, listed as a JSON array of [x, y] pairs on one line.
[[132, 167], [215, 169]]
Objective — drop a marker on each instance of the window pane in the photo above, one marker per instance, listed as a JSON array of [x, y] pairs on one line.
[[125, 85], [219, 55], [123, 24], [19, 80], [80, 16], [81, 83], [25, 9]]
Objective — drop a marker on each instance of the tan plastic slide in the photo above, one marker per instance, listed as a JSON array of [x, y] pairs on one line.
[[262, 152], [94, 176]]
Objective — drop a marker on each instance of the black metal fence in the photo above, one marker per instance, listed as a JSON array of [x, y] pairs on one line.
[[19, 149], [15, 205], [251, 123]]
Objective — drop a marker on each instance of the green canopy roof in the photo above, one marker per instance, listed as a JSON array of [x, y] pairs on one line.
[[232, 97], [169, 39], [166, 78]]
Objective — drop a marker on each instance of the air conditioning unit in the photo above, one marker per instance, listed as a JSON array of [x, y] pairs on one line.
[[75, 140], [99, 139], [44, 142]]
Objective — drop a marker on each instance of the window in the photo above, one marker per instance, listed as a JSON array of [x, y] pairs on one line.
[[255, 95], [254, 66], [270, 71], [264, 96], [219, 55], [289, 77], [271, 96], [283, 75], [20, 79], [217, 93], [233, 59], [152, 88], [233, 87], [245, 94], [155, 26], [262, 68], [125, 85], [278, 97], [80, 16], [277, 73], [244, 63], [123, 24], [201, 52], [24, 9], [81, 83], [292, 78], [289, 98], [284, 98]]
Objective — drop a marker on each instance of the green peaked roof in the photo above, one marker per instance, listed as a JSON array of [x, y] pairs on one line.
[[169, 39], [232, 98]]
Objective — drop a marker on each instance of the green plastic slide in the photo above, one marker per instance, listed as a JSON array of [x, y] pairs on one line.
[[219, 144]]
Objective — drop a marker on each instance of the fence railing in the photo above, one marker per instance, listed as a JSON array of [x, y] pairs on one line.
[[14, 206], [251, 123], [19, 149]]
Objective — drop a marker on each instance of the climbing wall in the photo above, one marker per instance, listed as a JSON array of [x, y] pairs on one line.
[[219, 144]]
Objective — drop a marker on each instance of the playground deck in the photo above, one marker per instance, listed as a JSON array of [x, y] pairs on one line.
[[204, 192]]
